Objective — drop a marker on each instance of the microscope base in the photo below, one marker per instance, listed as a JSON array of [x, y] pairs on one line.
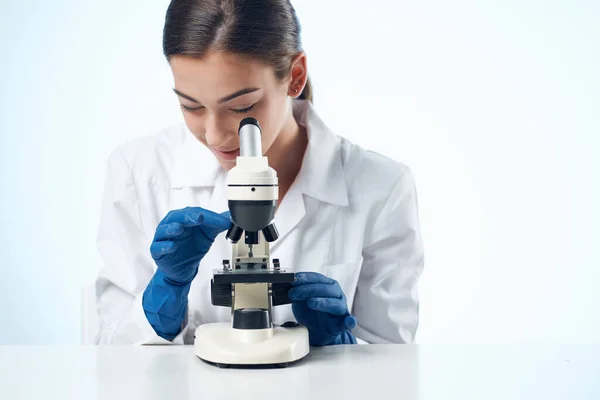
[[220, 344]]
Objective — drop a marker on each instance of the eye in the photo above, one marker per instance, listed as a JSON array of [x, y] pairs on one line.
[[189, 109], [243, 110]]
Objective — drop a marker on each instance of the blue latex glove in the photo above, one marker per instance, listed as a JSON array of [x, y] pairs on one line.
[[319, 303], [180, 242]]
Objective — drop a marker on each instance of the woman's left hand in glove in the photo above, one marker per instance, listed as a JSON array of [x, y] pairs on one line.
[[319, 303]]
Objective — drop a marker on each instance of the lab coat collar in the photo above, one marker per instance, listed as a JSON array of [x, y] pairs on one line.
[[321, 175]]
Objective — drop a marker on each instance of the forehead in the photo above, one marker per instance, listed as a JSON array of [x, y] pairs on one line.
[[218, 74]]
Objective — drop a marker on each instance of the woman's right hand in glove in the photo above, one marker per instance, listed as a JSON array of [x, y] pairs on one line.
[[183, 238], [180, 242]]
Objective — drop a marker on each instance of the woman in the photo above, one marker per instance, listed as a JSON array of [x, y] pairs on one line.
[[347, 218]]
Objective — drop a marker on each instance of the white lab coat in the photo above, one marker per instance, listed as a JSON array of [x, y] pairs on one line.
[[351, 214]]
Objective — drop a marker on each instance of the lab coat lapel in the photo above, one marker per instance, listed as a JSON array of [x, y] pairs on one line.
[[321, 176], [221, 247], [218, 198], [289, 214], [197, 169]]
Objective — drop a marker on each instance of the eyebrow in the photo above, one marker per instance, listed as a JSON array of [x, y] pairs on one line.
[[185, 96], [225, 99]]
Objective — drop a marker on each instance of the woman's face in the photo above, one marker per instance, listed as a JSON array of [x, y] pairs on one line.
[[219, 90]]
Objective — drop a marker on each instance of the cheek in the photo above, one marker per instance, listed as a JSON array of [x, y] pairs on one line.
[[271, 120], [214, 128], [196, 126]]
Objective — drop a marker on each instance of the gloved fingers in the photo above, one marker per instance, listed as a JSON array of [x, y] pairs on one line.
[[311, 277], [215, 223], [198, 216], [168, 231], [189, 216], [348, 323], [226, 214], [328, 305], [160, 249], [310, 290]]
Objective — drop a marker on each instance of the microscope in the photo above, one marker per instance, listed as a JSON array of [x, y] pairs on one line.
[[250, 283]]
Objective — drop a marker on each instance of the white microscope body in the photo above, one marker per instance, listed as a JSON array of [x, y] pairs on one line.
[[251, 283]]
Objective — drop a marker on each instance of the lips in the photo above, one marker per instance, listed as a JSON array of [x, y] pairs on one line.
[[230, 154]]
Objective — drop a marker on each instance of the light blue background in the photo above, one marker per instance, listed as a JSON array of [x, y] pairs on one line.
[[494, 105]]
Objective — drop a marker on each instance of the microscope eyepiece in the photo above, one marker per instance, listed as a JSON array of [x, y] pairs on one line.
[[250, 136], [248, 121]]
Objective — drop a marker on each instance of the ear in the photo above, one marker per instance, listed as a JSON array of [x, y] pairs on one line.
[[298, 75]]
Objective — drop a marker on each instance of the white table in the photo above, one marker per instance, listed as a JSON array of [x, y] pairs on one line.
[[403, 372]]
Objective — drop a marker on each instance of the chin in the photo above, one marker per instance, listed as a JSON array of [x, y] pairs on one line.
[[227, 165]]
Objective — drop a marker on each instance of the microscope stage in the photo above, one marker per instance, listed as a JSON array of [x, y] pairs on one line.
[[252, 276]]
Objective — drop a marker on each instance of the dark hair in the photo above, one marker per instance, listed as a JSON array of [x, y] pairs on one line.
[[268, 30]]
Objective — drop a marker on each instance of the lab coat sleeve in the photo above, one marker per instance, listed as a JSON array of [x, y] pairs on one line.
[[127, 264], [386, 301]]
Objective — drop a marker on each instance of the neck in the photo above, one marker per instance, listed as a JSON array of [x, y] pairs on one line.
[[287, 152]]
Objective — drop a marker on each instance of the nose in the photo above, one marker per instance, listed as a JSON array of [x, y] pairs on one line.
[[218, 132]]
